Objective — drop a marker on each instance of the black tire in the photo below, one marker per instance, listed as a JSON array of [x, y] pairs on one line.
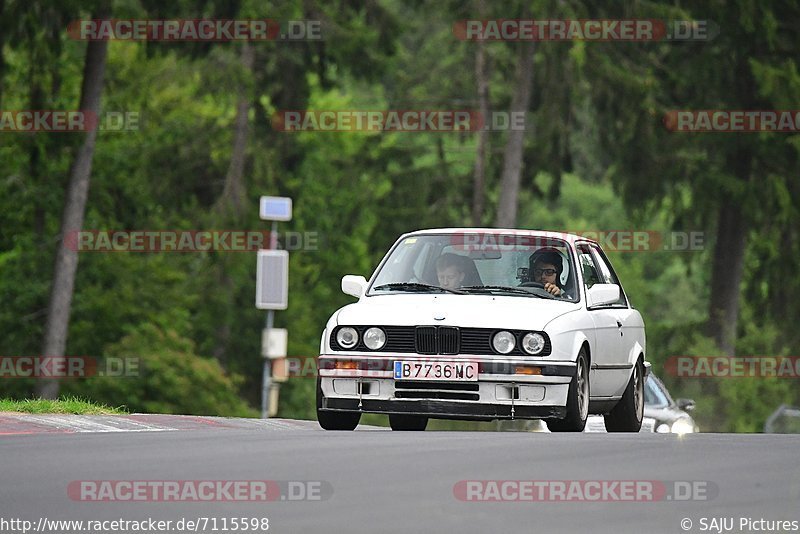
[[577, 399], [627, 415], [331, 420], [416, 423]]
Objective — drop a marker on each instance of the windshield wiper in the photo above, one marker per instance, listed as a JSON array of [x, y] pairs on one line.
[[505, 289], [414, 286]]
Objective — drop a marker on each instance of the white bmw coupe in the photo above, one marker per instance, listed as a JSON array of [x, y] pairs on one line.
[[484, 324]]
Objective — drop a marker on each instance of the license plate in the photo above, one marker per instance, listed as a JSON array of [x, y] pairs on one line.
[[449, 371]]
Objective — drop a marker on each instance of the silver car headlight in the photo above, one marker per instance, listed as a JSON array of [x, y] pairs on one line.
[[682, 426], [374, 338], [503, 342], [347, 337], [533, 343]]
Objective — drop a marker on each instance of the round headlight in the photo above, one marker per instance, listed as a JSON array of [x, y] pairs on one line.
[[374, 338], [533, 343], [503, 342], [347, 337], [682, 426]]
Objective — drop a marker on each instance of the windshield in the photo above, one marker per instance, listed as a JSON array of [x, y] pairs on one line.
[[478, 263], [653, 395]]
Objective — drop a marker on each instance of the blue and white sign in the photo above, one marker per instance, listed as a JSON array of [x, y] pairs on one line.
[[275, 208]]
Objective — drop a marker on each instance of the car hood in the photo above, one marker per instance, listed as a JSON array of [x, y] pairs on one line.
[[476, 311]]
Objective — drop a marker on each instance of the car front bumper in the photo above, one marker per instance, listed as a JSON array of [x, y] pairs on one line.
[[497, 394]]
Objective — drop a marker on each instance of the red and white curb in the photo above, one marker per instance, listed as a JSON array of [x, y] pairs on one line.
[[20, 423]]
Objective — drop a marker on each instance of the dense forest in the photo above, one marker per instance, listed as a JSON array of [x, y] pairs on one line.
[[199, 143]]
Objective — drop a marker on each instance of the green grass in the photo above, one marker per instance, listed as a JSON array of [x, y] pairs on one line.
[[72, 405]]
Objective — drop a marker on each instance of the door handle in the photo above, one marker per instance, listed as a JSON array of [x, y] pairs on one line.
[[619, 324]]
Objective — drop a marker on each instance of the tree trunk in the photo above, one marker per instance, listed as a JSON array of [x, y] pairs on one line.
[[2, 57], [512, 158], [726, 275], [66, 265], [34, 154], [233, 194], [482, 82], [732, 224], [233, 199]]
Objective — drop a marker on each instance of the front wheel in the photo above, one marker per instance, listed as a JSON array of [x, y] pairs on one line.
[[408, 422], [577, 399], [627, 415], [330, 420]]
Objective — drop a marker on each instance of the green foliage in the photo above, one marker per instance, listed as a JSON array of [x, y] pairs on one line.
[[168, 377]]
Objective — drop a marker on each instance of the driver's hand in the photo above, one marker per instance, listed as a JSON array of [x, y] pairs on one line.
[[552, 289]]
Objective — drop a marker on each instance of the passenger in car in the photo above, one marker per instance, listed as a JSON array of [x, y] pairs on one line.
[[450, 270], [454, 271]]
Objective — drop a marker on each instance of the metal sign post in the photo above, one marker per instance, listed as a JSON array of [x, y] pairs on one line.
[[266, 374], [272, 289]]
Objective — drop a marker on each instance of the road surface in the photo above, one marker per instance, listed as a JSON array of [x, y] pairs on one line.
[[375, 480]]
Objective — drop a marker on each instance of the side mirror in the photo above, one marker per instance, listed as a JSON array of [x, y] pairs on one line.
[[600, 294], [354, 285], [687, 405]]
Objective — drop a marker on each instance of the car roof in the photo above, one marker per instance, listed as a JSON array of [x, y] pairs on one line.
[[571, 238]]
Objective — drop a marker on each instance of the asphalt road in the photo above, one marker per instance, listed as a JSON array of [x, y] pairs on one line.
[[375, 480]]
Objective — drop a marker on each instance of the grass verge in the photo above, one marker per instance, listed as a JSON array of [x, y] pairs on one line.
[[71, 405]]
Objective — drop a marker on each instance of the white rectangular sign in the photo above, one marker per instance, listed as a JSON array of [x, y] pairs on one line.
[[274, 342], [272, 280]]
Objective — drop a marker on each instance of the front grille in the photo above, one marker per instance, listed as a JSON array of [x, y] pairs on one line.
[[439, 340], [460, 386], [409, 389], [398, 338], [442, 395], [475, 341], [426, 339], [449, 340]]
